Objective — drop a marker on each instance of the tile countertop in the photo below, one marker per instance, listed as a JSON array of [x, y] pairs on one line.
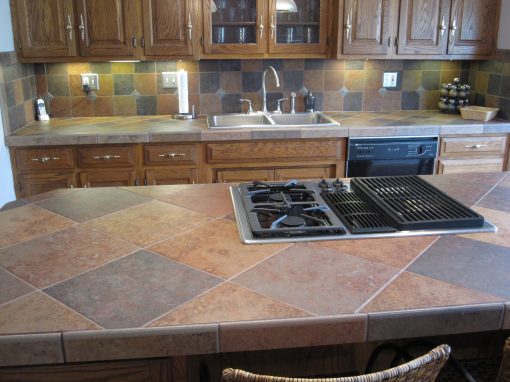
[[140, 272], [70, 131]]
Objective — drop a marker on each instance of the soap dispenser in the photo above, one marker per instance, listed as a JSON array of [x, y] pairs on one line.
[[309, 102]]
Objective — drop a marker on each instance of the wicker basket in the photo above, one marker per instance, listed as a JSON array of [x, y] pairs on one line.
[[478, 113]]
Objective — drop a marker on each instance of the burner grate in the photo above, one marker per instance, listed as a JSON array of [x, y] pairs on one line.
[[412, 203], [359, 216]]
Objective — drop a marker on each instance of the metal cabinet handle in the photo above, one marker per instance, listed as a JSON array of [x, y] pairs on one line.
[[190, 27], [81, 27], [45, 159], [69, 27], [453, 29], [477, 146], [442, 27], [250, 107], [348, 28], [171, 155], [273, 27], [261, 28], [107, 157]]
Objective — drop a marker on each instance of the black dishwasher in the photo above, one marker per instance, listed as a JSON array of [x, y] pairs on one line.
[[391, 156]]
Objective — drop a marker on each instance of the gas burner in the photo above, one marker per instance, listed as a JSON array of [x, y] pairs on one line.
[[292, 216], [291, 195], [262, 187]]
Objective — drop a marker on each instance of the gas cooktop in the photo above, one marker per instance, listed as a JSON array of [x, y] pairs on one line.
[[396, 206]]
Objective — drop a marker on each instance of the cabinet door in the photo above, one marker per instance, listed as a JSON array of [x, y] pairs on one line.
[[464, 166], [244, 175], [472, 27], [368, 26], [423, 26], [235, 26], [283, 174], [45, 27], [108, 178], [299, 29], [168, 27], [33, 184], [107, 27], [171, 176]]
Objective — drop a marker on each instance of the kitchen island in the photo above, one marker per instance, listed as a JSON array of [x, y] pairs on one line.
[[143, 272]]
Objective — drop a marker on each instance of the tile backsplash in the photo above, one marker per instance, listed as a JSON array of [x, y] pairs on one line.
[[215, 86]]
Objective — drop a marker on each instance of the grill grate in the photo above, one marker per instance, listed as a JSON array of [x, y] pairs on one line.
[[412, 203], [359, 216]]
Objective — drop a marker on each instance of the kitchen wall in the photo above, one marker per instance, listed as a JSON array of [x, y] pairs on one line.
[[215, 86]]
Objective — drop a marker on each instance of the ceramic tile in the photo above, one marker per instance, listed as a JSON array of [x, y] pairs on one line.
[[412, 291], [292, 333], [145, 284], [318, 280], [55, 257], [468, 263], [158, 192], [500, 220], [396, 252], [215, 248], [37, 313], [25, 223], [34, 349], [211, 200], [434, 322], [268, 133], [229, 302], [13, 204], [12, 287], [144, 343], [91, 203], [498, 198]]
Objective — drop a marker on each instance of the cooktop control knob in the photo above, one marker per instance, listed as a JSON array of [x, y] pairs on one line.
[[338, 184], [421, 149], [323, 184]]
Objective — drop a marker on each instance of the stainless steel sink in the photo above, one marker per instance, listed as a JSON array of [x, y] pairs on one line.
[[233, 121]]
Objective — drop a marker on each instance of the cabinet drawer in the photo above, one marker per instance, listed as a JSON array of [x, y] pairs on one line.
[[165, 154], [44, 159], [106, 156], [284, 174], [38, 183], [117, 178], [273, 151], [171, 176], [462, 166], [244, 175], [473, 146]]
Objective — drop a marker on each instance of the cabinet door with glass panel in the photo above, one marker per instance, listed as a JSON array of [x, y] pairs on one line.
[[298, 26], [235, 26]]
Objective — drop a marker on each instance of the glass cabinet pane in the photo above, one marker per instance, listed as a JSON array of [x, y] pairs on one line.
[[298, 21], [234, 21]]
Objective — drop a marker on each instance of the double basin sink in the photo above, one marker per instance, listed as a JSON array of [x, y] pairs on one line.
[[252, 121]]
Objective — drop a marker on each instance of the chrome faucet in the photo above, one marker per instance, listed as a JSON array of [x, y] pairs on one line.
[[264, 92]]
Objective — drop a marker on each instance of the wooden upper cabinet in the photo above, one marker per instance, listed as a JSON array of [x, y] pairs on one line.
[[368, 26], [168, 27], [423, 26], [472, 27], [45, 28], [107, 27]]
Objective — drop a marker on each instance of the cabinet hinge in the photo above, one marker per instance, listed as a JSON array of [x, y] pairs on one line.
[[142, 42], [202, 40]]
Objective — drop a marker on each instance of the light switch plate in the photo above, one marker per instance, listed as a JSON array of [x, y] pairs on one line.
[[91, 80], [390, 79], [170, 80]]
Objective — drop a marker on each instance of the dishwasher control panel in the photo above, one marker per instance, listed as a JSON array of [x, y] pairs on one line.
[[392, 148]]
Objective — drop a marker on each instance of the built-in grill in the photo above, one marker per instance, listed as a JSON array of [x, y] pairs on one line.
[[329, 210]]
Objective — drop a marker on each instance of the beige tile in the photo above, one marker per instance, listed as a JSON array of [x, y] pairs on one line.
[[411, 80], [12, 287], [231, 82], [145, 83], [158, 192], [33, 349], [334, 80], [125, 105], [314, 80]]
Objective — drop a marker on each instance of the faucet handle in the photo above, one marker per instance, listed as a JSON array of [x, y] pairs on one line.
[[279, 103], [250, 108], [293, 102]]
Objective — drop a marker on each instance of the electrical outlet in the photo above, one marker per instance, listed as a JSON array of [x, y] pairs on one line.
[[390, 79], [170, 80], [90, 80]]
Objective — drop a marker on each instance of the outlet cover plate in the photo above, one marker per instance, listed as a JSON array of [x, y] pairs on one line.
[[90, 79], [170, 80], [390, 79]]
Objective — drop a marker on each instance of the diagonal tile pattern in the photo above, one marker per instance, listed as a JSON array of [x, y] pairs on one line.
[[158, 192], [215, 248], [144, 284], [320, 281], [148, 223], [53, 258], [12, 287], [500, 220]]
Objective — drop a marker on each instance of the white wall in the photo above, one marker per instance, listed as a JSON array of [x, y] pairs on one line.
[[504, 26], [6, 45]]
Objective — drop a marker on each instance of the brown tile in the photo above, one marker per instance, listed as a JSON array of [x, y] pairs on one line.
[[429, 100], [314, 80], [450, 65], [145, 83], [334, 64], [482, 82], [82, 107], [231, 82], [500, 220], [125, 105], [194, 100], [277, 334], [33, 349], [12, 287], [296, 64], [133, 290], [18, 91], [137, 224], [29, 111], [333, 80], [375, 64], [372, 101], [41, 85], [447, 76], [167, 104], [25, 223], [333, 101], [412, 291], [37, 312], [212, 200], [194, 83], [91, 203], [229, 302], [251, 65], [397, 252], [60, 107], [122, 67], [55, 257], [189, 66], [411, 79], [75, 85], [373, 79], [104, 107], [354, 80], [158, 192], [320, 281], [105, 85], [210, 104], [392, 101], [78, 68], [215, 248]]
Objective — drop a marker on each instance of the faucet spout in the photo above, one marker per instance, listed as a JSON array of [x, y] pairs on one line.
[[264, 92]]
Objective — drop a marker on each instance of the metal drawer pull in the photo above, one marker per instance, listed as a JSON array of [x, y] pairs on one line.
[[81, 27], [171, 155], [107, 157], [478, 146], [44, 159]]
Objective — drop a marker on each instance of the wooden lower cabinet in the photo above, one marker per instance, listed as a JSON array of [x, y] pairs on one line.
[[282, 174], [273, 174], [243, 175], [463, 166], [108, 178], [158, 177], [38, 183]]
